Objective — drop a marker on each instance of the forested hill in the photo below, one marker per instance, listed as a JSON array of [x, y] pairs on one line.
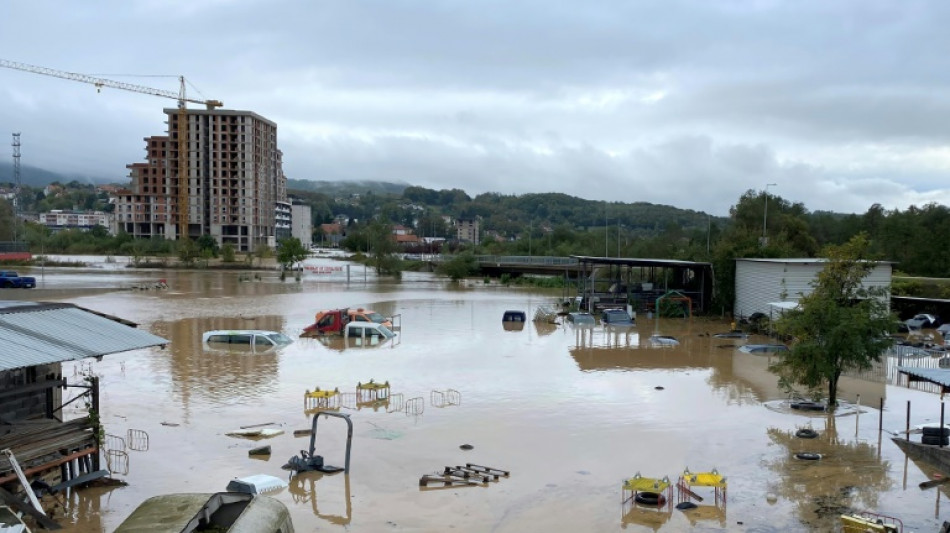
[[504, 214]]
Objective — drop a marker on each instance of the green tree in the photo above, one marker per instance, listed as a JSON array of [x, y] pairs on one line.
[[459, 266], [382, 248], [841, 325], [7, 220], [207, 243], [261, 252], [227, 253], [290, 251], [188, 252]]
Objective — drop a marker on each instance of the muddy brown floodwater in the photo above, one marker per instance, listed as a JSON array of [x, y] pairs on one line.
[[569, 412]]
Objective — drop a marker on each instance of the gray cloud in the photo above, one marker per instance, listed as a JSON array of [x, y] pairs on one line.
[[682, 102]]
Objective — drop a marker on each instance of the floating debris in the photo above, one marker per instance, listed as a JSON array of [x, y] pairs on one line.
[[260, 450]]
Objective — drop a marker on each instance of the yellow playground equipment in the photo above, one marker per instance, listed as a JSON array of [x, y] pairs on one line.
[[647, 491], [713, 479], [323, 400], [372, 394]]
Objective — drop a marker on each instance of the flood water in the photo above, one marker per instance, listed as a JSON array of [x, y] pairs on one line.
[[569, 412]]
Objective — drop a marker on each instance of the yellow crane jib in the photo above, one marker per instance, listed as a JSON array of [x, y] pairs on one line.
[[182, 133]]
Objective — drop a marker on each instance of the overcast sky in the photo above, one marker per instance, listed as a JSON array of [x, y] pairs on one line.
[[840, 104]]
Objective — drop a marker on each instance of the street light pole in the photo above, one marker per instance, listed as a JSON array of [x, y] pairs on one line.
[[618, 240], [765, 215]]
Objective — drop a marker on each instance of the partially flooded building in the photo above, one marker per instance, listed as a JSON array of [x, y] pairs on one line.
[[38, 440]]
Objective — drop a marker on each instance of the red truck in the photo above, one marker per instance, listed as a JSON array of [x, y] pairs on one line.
[[334, 321]]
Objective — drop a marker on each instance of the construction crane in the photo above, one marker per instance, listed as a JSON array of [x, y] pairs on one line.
[[182, 178]]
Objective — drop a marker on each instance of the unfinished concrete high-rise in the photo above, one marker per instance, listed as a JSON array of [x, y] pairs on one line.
[[235, 181]]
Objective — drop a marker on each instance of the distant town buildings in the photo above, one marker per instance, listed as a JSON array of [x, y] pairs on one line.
[[236, 184], [59, 220], [332, 234]]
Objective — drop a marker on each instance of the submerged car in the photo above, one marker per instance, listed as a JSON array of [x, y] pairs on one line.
[[616, 317], [763, 348], [255, 338], [581, 318], [368, 315], [663, 340], [223, 511]]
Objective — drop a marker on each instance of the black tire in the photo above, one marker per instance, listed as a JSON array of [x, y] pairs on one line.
[[936, 432], [806, 433], [935, 440], [808, 406], [806, 456], [650, 498]]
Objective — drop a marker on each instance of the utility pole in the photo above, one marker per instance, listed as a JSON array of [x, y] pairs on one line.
[[16, 184], [606, 233]]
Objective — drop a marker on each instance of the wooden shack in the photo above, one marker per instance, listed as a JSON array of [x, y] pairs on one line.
[[35, 340]]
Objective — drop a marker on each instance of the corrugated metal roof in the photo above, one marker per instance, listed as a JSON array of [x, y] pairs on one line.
[[34, 333], [939, 376]]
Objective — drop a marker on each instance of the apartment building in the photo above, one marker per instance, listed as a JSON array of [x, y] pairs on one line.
[[467, 230], [235, 181], [302, 223]]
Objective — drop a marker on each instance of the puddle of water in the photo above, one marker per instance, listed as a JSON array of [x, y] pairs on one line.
[[570, 412]]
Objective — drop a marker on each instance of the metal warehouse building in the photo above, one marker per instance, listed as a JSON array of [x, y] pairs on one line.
[[760, 283]]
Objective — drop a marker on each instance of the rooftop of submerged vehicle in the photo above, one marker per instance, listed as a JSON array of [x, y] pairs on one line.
[[763, 348], [257, 337], [581, 318], [616, 317]]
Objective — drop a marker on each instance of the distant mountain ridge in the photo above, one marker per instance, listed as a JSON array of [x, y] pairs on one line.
[[345, 188], [38, 177]]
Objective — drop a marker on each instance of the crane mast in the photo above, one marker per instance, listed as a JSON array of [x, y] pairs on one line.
[[182, 180]]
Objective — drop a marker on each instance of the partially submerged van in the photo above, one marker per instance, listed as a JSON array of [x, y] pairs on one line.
[[367, 334], [227, 512], [253, 340]]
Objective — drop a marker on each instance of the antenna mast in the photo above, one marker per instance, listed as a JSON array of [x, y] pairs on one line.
[[16, 184]]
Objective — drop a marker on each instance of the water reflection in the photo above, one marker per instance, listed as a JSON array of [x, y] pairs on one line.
[[583, 399], [218, 376], [848, 476], [651, 517], [303, 487]]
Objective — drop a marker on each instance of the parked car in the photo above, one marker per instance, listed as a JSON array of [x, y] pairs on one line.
[[616, 317], [923, 321], [581, 318], [944, 329], [238, 338], [11, 280], [763, 348]]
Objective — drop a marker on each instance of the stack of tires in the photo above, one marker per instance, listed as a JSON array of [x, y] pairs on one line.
[[938, 436]]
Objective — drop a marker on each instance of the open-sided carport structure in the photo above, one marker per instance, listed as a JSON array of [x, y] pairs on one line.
[[611, 282]]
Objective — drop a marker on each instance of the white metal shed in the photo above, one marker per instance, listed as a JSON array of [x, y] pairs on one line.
[[763, 282]]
